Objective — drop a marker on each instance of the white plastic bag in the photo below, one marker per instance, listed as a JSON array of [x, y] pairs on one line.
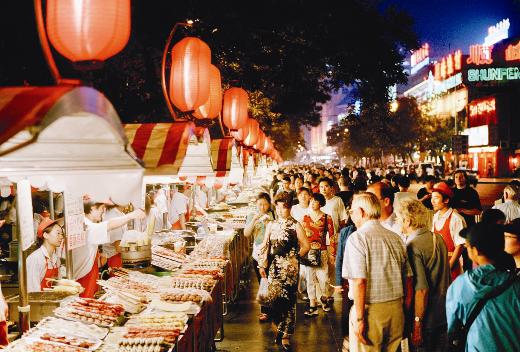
[[262, 294]]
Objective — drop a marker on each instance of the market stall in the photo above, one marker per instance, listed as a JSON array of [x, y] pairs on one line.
[[66, 140]]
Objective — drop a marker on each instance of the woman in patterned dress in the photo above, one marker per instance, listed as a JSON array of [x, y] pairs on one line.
[[285, 242], [256, 224]]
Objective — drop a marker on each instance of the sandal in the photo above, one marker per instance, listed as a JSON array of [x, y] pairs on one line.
[[263, 317]]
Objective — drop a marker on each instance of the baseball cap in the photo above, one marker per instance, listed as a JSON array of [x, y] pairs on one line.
[[46, 222], [513, 227], [485, 235], [443, 188]]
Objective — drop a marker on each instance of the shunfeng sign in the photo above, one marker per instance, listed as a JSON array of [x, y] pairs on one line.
[[494, 74]]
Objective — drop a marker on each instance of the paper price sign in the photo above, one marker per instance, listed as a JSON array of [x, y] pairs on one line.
[[74, 220]]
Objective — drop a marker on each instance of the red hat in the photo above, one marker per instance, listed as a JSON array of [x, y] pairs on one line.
[[444, 189], [46, 222]]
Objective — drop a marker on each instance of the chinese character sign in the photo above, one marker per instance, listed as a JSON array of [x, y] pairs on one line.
[[482, 112], [513, 52], [420, 54], [448, 66], [480, 55]]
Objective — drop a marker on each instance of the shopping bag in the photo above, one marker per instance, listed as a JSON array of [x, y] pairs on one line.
[[262, 295]]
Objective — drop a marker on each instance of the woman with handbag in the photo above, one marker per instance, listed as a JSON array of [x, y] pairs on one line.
[[284, 243], [319, 228], [256, 224]]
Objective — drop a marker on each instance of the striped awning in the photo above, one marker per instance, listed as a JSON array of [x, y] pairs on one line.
[[221, 155], [161, 146], [24, 107]]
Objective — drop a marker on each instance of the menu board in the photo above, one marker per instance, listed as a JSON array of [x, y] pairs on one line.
[[24, 212], [74, 220]]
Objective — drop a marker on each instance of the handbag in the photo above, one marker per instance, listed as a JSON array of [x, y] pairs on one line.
[[313, 257], [457, 339], [262, 296]]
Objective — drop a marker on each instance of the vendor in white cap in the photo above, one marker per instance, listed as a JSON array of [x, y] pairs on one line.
[[44, 262], [85, 258]]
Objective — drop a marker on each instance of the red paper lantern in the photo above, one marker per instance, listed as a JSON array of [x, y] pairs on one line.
[[241, 134], [190, 74], [183, 178], [254, 130], [88, 30], [267, 146], [213, 105], [234, 111], [259, 145]]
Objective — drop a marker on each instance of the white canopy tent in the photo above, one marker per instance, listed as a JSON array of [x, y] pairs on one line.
[[71, 138]]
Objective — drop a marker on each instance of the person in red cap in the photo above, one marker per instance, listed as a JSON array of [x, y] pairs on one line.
[[448, 223], [44, 262], [85, 258]]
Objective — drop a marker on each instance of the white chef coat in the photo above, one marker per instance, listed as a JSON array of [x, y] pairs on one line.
[[180, 203], [37, 265], [83, 257], [109, 250]]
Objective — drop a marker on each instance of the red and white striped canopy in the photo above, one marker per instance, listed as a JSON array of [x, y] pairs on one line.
[[161, 146], [222, 155]]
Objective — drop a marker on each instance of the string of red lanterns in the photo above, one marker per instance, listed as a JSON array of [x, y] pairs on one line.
[[95, 30]]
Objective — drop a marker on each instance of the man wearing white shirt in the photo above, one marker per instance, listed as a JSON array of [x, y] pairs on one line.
[[299, 210], [85, 258], [510, 207], [384, 194], [448, 223], [179, 206]]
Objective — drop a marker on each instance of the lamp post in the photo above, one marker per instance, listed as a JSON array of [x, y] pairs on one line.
[[171, 108]]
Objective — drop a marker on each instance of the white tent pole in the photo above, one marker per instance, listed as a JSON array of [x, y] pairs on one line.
[[24, 308]]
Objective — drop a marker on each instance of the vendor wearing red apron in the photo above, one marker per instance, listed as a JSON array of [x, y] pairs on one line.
[[179, 209], [85, 258], [111, 250], [448, 223], [44, 262]]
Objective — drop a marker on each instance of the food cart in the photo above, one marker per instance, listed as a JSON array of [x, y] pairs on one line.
[[64, 139]]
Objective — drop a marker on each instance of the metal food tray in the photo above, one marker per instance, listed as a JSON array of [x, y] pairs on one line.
[[36, 336], [50, 322], [61, 313]]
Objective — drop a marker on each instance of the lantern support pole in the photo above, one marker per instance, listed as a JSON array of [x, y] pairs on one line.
[[47, 53], [171, 108]]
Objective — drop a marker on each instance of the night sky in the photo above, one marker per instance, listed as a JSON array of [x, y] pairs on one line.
[[448, 25]]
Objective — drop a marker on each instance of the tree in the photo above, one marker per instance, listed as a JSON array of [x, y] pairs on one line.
[[377, 130]]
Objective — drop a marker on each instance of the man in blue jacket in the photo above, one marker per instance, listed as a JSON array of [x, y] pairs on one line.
[[497, 326]]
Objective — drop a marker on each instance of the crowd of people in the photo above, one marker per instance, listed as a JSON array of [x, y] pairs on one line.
[[429, 270]]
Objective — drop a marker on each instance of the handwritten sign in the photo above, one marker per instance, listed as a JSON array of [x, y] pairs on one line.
[[24, 213], [74, 220]]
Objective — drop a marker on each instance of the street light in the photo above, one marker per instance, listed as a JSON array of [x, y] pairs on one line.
[[394, 106]]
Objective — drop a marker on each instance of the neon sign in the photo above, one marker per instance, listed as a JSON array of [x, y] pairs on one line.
[[482, 112], [448, 65], [513, 52], [497, 32], [480, 55], [494, 74], [420, 58]]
